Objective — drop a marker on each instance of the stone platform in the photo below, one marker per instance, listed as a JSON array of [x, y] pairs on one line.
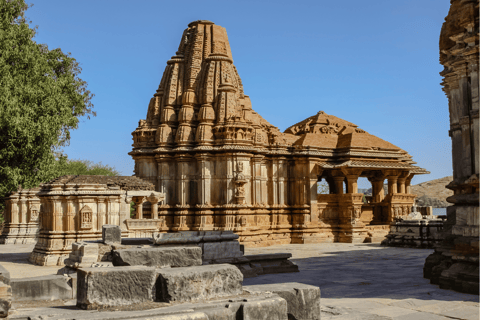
[[358, 281]]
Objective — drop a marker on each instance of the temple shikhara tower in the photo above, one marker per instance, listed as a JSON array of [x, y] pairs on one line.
[[224, 167]]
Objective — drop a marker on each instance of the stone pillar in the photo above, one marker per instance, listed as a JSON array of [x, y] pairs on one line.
[[14, 211], [352, 186], [139, 207], [408, 189], [401, 182], [101, 212], [23, 209], [154, 203], [392, 185], [70, 223], [339, 184], [378, 190], [401, 185]]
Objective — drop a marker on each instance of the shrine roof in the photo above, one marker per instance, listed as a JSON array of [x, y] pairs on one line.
[[128, 183], [375, 165], [327, 131]]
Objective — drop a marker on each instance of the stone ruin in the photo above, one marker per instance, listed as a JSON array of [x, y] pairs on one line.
[[184, 275], [419, 229], [74, 208], [223, 167], [455, 262]]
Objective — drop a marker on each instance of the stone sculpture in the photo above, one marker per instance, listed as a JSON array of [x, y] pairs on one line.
[[223, 167]]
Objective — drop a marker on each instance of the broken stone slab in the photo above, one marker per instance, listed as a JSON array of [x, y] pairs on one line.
[[263, 306], [111, 234], [49, 287], [303, 301], [195, 283], [158, 257], [184, 237], [107, 287], [83, 255], [220, 250], [272, 263]]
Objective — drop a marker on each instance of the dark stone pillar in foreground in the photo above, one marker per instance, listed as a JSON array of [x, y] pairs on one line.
[[454, 264]]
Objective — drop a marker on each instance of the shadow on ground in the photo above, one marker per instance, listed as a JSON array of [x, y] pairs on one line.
[[362, 271]]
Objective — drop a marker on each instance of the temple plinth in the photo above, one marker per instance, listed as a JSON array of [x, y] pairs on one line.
[[224, 167]]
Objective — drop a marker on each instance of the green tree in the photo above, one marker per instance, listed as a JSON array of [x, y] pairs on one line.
[[84, 167], [41, 100]]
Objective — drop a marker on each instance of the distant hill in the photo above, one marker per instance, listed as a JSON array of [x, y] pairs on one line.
[[430, 193], [433, 192]]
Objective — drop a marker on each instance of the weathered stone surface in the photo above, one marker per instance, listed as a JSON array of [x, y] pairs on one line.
[[303, 301], [21, 217], [110, 204], [195, 283], [5, 292], [454, 264], [423, 233], [271, 263], [111, 234], [51, 287], [189, 237], [83, 255], [159, 257], [104, 287], [274, 308], [221, 250]]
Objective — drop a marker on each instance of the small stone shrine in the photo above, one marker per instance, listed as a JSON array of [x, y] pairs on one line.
[[74, 209], [454, 264], [224, 167]]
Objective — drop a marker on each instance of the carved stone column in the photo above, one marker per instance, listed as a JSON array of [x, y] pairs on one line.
[[154, 203], [338, 180], [139, 206], [392, 185], [408, 180], [402, 181], [101, 212]]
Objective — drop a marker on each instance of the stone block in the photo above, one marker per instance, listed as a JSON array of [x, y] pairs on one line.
[[160, 257], [221, 250], [272, 263], [184, 237], [274, 308], [303, 301], [195, 283], [111, 234], [107, 287], [83, 255], [50, 287]]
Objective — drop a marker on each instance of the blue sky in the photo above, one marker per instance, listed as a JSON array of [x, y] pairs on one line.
[[374, 63]]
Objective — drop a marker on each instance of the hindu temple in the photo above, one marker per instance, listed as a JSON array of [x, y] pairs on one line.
[[222, 166]]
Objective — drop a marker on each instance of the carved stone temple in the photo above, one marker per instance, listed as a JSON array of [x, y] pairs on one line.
[[224, 167], [74, 209], [454, 264]]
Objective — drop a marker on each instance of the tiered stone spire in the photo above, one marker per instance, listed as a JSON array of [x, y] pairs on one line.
[[200, 88]]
